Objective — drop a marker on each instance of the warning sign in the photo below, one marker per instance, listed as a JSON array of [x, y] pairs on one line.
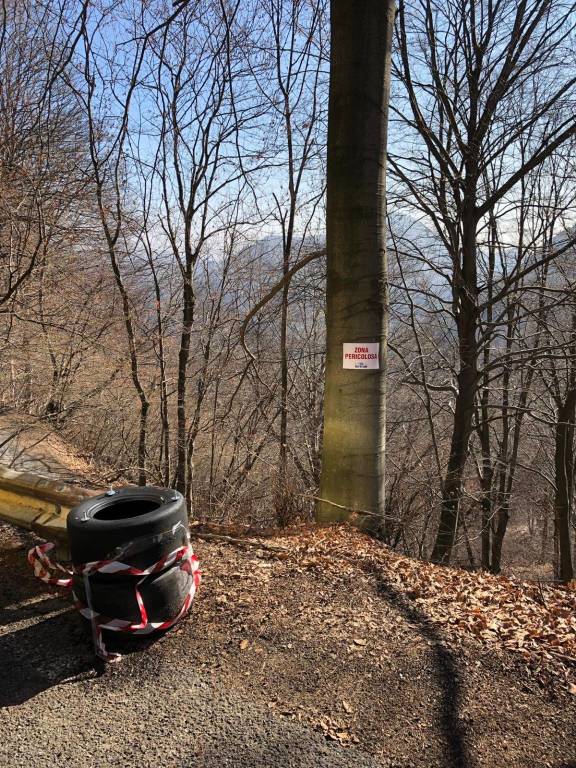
[[361, 354]]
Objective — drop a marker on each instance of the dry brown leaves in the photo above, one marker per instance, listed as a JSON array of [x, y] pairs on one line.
[[535, 620]]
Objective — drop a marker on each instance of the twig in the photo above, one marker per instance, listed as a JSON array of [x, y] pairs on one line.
[[238, 542], [350, 509], [270, 295]]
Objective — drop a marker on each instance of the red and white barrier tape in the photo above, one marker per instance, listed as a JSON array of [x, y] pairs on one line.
[[43, 566], [184, 556]]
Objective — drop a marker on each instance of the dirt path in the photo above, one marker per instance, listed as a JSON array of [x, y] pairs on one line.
[[32, 445], [283, 662]]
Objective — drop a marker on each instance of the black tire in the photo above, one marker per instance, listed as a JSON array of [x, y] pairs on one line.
[[163, 595], [139, 525]]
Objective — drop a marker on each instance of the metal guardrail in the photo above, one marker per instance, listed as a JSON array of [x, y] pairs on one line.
[[39, 504]]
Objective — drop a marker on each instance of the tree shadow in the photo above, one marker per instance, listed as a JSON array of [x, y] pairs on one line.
[[44, 654], [55, 651], [17, 581], [22, 612], [446, 674]]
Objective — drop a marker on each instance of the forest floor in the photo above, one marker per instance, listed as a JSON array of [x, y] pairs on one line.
[[315, 648]]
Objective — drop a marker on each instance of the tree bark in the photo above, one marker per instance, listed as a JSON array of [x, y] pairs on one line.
[[498, 540], [356, 291], [465, 301], [188, 304], [564, 476]]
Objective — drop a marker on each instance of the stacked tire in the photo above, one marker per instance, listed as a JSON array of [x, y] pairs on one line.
[[137, 527]]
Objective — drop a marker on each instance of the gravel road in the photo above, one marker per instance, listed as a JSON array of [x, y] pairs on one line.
[[149, 710], [283, 663]]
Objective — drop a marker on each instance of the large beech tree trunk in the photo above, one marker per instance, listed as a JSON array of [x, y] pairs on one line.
[[356, 292]]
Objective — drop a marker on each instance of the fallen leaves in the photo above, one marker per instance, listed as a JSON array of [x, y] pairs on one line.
[[535, 621], [518, 615], [335, 730]]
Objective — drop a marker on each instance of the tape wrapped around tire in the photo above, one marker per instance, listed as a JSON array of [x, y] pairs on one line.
[[162, 593], [137, 525]]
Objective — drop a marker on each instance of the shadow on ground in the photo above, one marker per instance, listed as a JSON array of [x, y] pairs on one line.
[[43, 654], [52, 651], [19, 613], [17, 582], [43, 640], [446, 674]]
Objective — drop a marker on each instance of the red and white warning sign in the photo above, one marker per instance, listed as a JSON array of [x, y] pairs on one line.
[[361, 354]]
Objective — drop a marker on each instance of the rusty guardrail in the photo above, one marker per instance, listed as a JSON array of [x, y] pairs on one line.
[[39, 504]]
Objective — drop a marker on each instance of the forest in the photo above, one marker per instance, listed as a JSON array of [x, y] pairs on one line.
[[163, 261]]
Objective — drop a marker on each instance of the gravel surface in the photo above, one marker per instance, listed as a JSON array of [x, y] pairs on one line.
[[59, 708], [282, 663], [172, 715]]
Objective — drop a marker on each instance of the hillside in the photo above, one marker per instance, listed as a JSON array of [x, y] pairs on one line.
[[29, 444], [319, 647]]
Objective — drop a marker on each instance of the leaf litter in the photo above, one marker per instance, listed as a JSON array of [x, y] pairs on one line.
[[536, 621]]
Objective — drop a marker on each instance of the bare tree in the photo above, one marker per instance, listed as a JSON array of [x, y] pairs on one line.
[[293, 94], [475, 79]]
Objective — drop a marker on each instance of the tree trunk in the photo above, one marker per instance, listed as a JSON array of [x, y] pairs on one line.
[[564, 477], [486, 483], [452, 493], [498, 539], [281, 501], [132, 348], [356, 292], [465, 301], [486, 523], [164, 404], [182, 484]]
